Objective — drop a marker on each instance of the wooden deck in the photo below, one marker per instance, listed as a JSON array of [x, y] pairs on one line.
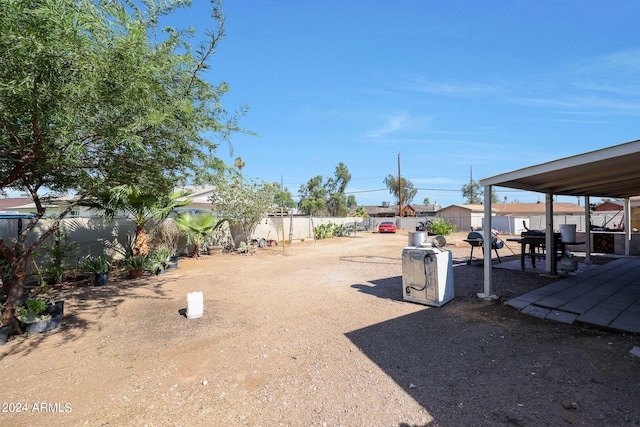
[[606, 296]]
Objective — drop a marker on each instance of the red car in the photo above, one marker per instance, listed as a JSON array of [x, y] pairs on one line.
[[386, 227]]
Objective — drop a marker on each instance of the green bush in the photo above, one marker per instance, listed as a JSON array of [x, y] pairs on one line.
[[442, 227]]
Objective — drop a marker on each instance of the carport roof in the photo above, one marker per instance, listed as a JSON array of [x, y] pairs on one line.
[[609, 172]]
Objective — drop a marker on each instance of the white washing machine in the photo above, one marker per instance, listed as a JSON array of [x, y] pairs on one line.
[[427, 275]]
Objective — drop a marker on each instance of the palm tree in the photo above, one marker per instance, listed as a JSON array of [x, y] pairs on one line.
[[141, 207], [198, 228]]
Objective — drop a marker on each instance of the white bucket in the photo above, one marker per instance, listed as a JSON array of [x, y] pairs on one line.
[[568, 232], [195, 305]]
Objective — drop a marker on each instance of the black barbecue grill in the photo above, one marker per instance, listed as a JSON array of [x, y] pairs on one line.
[[476, 239]]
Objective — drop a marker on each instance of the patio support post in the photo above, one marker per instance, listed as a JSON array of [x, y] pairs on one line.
[[627, 226], [550, 267], [587, 231], [487, 247]]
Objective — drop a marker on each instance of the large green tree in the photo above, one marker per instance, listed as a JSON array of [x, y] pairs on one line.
[[283, 197], [318, 197], [313, 197], [473, 193], [403, 193], [95, 94]]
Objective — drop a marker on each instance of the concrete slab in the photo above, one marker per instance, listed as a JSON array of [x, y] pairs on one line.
[[597, 318], [536, 311], [629, 320], [518, 303], [606, 295], [562, 317]]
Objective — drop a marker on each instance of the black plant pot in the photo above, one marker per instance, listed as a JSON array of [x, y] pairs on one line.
[[56, 310], [4, 333], [101, 279], [173, 264]]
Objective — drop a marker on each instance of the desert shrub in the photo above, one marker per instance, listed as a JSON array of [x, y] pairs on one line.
[[340, 230], [324, 231], [442, 227]]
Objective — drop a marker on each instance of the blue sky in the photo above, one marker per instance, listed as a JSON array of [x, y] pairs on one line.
[[449, 85]]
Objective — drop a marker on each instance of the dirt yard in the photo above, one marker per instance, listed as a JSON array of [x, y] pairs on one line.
[[316, 336]]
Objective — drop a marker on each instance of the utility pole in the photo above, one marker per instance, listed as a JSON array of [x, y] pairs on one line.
[[399, 190]]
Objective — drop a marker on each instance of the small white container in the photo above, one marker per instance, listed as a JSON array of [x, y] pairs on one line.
[[195, 305], [568, 232]]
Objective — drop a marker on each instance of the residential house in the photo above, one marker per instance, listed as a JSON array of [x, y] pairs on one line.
[[383, 211], [412, 210]]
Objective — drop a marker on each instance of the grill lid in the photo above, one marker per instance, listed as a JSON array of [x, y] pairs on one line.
[[475, 235], [479, 235]]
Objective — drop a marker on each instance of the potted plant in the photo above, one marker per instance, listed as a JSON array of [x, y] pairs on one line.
[[213, 248], [159, 259], [136, 265], [36, 316], [173, 262], [167, 234], [98, 266]]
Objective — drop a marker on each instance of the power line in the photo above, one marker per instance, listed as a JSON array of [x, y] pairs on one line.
[[366, 191]]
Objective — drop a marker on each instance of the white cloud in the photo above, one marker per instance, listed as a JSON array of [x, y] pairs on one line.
[[397, 122], [422, 85], [586, 103]]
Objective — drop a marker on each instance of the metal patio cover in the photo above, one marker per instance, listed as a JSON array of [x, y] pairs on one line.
[[610, 172]]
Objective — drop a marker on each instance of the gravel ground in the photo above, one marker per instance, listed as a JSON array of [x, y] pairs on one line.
[[317, 335]]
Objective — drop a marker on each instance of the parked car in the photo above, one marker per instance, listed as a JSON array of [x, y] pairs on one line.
[[386, 227]]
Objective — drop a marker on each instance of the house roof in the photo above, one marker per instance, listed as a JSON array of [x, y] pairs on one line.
[[608, 206], [516, 209], [373, 210], [12, 202], [610, 172], [422, 208], [469, 207]]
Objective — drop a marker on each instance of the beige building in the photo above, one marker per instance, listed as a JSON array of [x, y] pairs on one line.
[[464, 217]]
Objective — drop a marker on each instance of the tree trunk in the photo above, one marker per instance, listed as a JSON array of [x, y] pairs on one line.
[[15, 291], [141, 245]]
